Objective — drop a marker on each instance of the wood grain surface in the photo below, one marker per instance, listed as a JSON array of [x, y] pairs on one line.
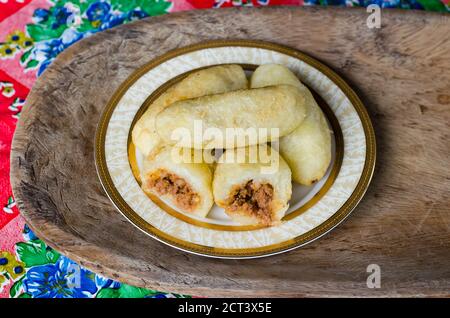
[[401, 72]]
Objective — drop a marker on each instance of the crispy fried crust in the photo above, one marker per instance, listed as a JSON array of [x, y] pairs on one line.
[[186, 185], [307, 149], [250, 196], [212, 80], [280, 107]]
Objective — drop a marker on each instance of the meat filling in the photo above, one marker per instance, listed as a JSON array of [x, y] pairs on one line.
[[253, 198], [166, 183]]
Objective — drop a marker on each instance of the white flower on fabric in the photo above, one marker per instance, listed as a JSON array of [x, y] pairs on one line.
[[70, 36], [8, 207], [72, 8], [7, 89]]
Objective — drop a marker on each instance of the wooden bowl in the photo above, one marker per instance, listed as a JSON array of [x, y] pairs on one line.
[[401, 71]]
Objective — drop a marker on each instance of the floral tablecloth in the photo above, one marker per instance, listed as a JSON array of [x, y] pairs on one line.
[[32, 34]]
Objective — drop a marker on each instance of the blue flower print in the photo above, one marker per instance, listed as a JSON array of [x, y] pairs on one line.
[[70, 36], [136, 14], [28, 234], [40, 15], [44, 66], [112, 20], [98, 11], [46, 51], [159, 296], [102, 282], [388, 3], [64, 279], [61, 15]]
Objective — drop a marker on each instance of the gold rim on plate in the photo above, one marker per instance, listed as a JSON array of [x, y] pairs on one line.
[[298, 241]]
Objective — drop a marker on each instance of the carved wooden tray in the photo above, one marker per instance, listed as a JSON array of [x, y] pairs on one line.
[[402, 74]]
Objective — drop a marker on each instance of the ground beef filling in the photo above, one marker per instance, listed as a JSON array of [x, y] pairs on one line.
[[253, 198], [166, 183]]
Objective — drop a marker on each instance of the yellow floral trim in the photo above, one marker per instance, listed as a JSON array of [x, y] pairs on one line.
[[16, 37], [17, 271], [10, 261], [3, 282], [96, 23], [8, 91], [15, 42], [26, 42], [7, 50], [13, 267]]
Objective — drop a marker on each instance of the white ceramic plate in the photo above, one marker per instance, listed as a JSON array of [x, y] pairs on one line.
[[313, 210]]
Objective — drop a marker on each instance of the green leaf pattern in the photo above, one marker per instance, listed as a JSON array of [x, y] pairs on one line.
[[36, 270], [36, 257]]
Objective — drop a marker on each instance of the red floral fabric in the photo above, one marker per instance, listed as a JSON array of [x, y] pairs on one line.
[[32, 34]]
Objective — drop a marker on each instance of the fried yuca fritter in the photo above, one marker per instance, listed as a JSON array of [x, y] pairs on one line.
[[253, 191], [212, 80], [307, 149], [279, 109], [185, 181]]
